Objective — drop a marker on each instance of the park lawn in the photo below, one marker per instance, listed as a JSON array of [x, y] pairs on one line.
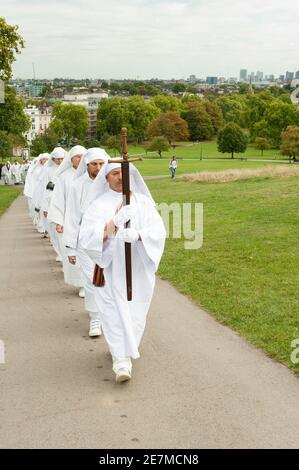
[[246, 273], [160, 167], [7, 195], [207, 149]]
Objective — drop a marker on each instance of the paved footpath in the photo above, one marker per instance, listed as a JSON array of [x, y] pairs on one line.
[[197, 384]]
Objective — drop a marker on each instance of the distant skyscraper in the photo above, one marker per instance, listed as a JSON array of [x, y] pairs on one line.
[[259, 76], [243, 75], [281, 78], [297, 75], [289, 76], [212, 80]]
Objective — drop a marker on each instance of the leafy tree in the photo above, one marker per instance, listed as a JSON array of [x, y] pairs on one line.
[[112, 116], [140, 114], [262, 144], [114, 143], [159, 144], [45, 142], [278, 117], [233, 109], [11, 43], [199, 122], [13, 119], [167, 103], [290, 142], [231, 139], [5, 145], [169, 125], [70, 121]]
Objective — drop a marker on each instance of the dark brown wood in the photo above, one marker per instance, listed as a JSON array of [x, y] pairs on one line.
[[98, 276], [125, 169]]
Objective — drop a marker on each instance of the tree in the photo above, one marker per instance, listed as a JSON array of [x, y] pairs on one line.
[[11, 43], [44, 142], [278, 117], [159, 144], [70, 121], [232, 139], [262, 144], [167, 103], [290, 142], [233, 109], [112, 116], [13, 119], [140, 114], [5, 145], [169, 125], [113, 143], [199, 122]]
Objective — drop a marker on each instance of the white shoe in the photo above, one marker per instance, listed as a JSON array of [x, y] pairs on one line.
[[95, 328], [82, 293], [58, 259], [123, 375]]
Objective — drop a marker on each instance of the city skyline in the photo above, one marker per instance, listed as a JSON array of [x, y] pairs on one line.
[[142, 39]]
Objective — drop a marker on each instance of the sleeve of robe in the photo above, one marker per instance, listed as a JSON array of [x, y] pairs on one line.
[[56, 210], [92, 233], [72, 220]]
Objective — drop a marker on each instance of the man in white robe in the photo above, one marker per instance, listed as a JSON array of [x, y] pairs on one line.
[[6, 173], [102, 235], [56, 213], [88, 169], [16, 172], [32, 190], [47, 184]]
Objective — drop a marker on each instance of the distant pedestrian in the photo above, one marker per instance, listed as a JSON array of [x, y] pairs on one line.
[[173, 164]]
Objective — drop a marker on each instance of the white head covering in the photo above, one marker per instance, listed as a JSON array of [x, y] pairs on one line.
[[66, 164], [36, 162], [58, 152], [101, 186], [95, 153]]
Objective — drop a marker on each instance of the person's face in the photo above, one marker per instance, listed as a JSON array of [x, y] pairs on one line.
[[43, 161], [76, 160], [94, 168], [58, 161], [115, 180]]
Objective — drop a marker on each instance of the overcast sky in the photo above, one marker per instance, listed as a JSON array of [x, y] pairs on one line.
[[154, 38]]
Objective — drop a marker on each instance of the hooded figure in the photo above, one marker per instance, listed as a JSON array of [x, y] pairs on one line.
[[6, 173], [46, 185], [57, 208], [32, 189], [102, 236], [88, 169]]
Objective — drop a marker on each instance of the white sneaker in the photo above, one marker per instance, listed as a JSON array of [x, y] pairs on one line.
[[58, 259], [123, 375], [82, 293], [95, 328]]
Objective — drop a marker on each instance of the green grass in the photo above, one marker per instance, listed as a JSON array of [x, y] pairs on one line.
[[7, 195], [160, 167], [246, 274], [208, 150]]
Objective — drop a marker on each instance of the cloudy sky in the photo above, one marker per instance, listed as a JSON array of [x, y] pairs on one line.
[[154, 38]]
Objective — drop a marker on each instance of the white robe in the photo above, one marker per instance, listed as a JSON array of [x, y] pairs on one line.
[[6, 174], [123, 322], [16, 172], [56, 215], [73, 217], [44, 197]]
